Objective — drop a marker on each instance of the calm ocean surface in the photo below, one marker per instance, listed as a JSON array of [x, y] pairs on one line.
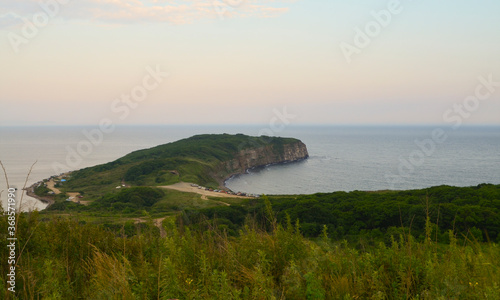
[[341, 158]]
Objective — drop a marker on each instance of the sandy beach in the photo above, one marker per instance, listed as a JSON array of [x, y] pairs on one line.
[[186, 187]]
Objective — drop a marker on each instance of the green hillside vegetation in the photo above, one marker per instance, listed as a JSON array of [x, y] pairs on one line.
[[138, 201], [63, 257], [376, 215], [194, 159]]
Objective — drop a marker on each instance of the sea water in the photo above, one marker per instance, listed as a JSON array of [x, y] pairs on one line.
[[380, 158], [342, 158]]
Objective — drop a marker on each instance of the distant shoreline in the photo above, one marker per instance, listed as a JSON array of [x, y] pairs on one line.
[[30, 191]]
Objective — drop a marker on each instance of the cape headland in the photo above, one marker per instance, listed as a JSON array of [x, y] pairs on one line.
[[274, 153], [207, 160]]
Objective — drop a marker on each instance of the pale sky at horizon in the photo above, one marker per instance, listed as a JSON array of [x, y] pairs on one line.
[[241, 65]]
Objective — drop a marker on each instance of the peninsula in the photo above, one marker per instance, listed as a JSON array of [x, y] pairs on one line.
[[206, 160]]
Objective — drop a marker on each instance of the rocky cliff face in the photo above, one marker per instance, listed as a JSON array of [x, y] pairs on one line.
[[262, 156]]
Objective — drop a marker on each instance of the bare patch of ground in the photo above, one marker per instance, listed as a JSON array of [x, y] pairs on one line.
[[186, 187], [51, 185], [157, 222]]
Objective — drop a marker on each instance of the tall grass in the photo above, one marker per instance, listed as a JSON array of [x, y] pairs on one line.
[[60, 257], [65, 259]]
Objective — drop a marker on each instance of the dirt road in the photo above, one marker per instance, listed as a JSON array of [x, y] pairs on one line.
[[157, 222], [50, 185]]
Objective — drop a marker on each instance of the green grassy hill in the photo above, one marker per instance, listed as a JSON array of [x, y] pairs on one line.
[[199, 159]]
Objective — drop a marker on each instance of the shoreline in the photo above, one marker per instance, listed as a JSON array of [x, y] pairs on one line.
[[233, 175], [30, 191]]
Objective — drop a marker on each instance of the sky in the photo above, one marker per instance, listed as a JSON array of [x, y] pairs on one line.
[[80, 62]]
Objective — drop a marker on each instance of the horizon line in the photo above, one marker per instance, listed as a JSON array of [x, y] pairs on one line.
[[264, 124]]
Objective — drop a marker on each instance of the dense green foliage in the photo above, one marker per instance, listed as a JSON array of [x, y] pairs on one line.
[[164, 171], [194, 159], [42, 190], [373, 214], [64, 258], [136, 197]]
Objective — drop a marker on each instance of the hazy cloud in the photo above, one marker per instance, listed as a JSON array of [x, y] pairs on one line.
[[141, 11], [9, 20]]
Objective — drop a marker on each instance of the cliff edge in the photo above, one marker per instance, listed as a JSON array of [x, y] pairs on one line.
[[262, 156]]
